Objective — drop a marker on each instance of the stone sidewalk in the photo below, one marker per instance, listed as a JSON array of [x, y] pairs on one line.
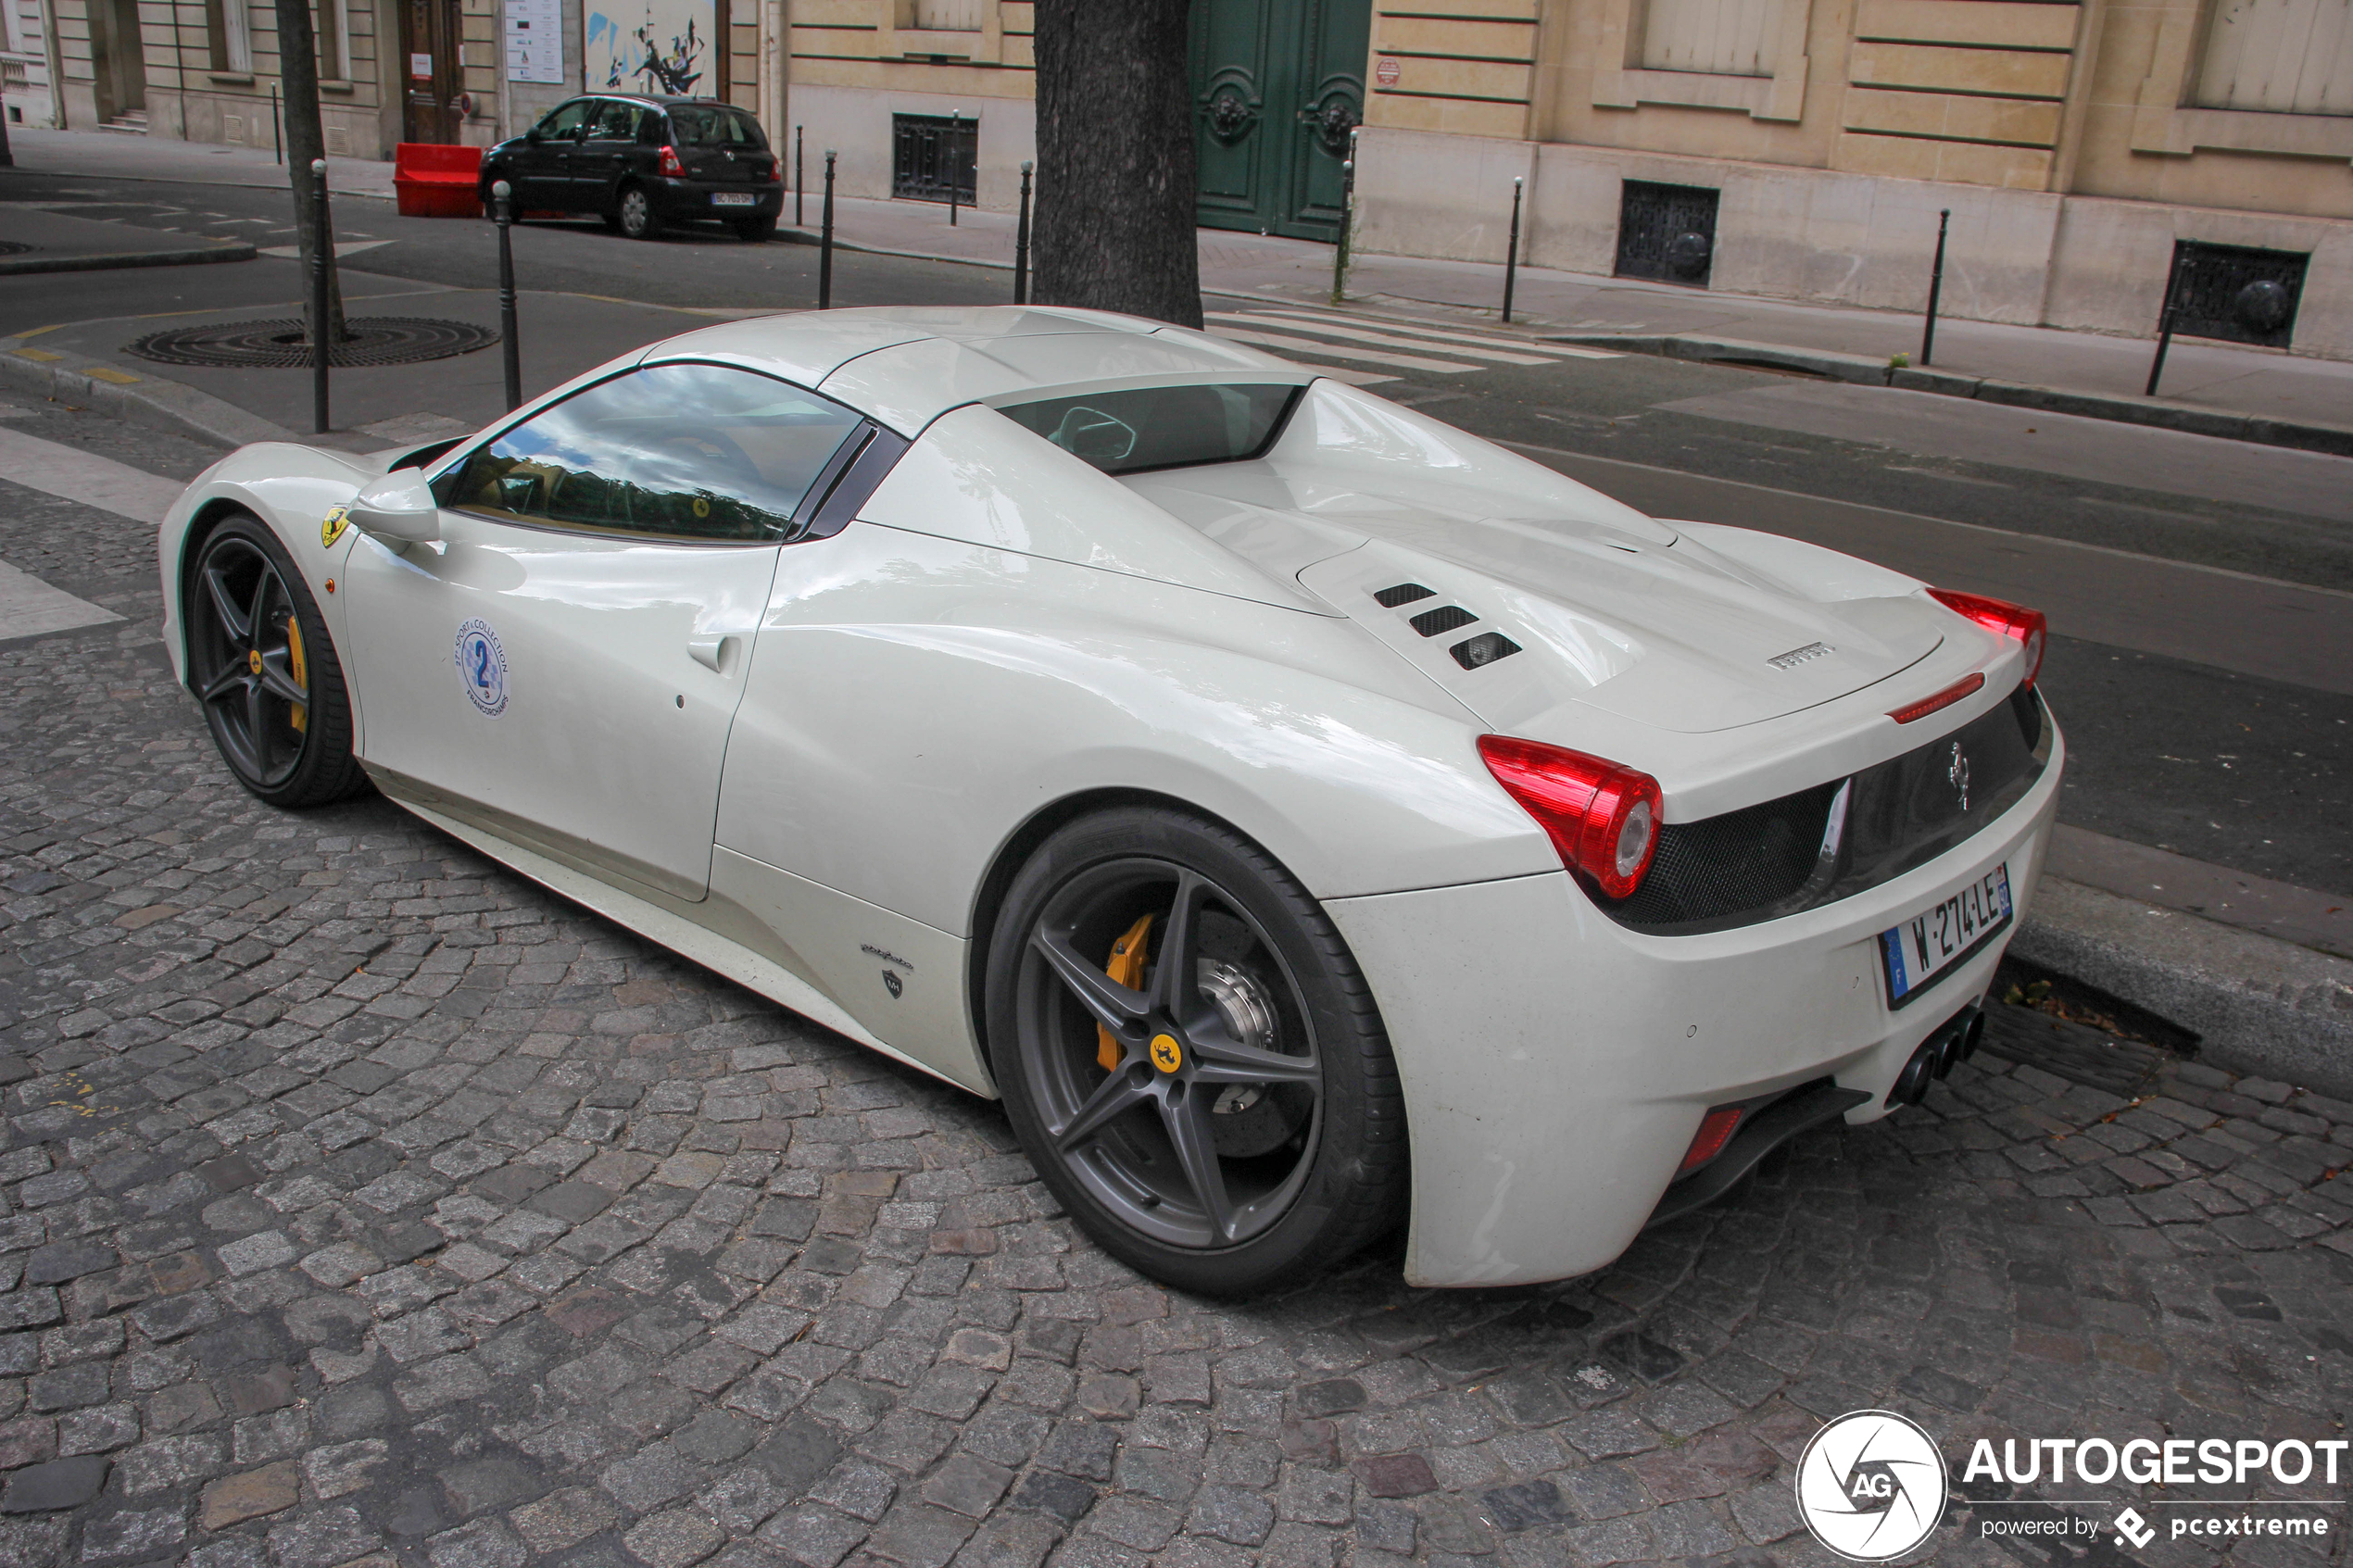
[[363, 1204]]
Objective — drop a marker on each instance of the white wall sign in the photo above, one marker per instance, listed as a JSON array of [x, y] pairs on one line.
[[534, 40]]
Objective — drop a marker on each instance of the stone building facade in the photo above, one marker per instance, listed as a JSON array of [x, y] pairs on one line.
[[2091, 152]]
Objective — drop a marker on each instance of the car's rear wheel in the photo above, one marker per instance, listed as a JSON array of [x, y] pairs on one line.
[[636, 210], [262, 665], [756, 230], [1191, 1056]]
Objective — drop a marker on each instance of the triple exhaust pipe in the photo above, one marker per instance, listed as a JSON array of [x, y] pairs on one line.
[[1955, 1041]]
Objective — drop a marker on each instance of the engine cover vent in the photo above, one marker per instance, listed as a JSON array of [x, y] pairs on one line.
[[1485, 649], [1446, 618], [1403, 593]]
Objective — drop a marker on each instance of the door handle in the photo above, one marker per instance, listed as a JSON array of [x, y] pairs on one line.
[[713, 651]]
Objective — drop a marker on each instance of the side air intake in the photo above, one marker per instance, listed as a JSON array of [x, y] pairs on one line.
[[1485, 649], [1446, 618], [1402, 594]]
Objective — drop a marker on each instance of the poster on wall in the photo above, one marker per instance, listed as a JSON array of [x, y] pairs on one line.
[[534, 40], [651, 45]]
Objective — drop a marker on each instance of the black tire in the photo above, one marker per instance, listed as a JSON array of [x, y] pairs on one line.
[[755, 231], [634, 210], [265, 671], [1283, 1096]]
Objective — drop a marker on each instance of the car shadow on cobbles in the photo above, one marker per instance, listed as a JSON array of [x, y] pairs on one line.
[[366, 1204]]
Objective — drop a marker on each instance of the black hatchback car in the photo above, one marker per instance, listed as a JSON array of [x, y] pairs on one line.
[[640, 163]]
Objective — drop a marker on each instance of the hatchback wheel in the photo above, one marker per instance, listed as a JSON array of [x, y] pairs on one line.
[[1191, 1056], [261, 663], [638, 218], [755, 231]]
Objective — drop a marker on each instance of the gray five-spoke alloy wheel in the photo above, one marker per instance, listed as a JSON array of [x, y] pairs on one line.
[[1220, 1109]]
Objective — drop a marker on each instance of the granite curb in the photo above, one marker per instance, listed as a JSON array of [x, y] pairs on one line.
[[2259, 1004], [1864, 370], [154, 401], [193, 256]]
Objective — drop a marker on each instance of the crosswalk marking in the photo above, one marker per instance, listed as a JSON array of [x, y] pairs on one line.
[[1379, 340], [1311, 337], [1341, 351]]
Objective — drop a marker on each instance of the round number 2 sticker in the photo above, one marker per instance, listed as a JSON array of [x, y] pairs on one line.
[[482, 664]]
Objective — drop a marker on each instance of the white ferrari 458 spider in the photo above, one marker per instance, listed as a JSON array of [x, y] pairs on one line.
[[1303, 814]]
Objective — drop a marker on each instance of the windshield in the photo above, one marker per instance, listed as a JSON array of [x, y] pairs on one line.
[[1160, 427], [710, 125]]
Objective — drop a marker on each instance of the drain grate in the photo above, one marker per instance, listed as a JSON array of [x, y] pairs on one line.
[[11, 247], [374, 340]]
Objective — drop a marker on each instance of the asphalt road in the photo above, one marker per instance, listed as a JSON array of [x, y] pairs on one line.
[[2201, 591]]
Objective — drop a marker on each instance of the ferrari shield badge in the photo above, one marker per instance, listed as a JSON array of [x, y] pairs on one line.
[[482, 664], [332, 528]]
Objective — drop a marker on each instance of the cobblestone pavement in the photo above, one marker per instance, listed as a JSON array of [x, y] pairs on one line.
[[363, 1203]]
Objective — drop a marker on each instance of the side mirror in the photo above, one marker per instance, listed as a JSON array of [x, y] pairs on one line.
[[534, 135], [398, 507]]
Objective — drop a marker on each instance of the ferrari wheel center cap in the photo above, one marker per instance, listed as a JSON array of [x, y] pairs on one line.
[[1167, 1054], [253, 661]]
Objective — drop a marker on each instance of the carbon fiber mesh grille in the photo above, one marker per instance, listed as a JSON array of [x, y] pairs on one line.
[[1745, 860], [1765, 860], [1403, 593], [1446, 618]]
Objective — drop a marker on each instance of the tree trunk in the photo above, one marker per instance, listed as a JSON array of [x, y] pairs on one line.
[[306, 141], [1114, 226]]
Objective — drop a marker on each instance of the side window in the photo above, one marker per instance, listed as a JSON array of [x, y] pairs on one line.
[[616, 122], [679, 451], [565, 119]]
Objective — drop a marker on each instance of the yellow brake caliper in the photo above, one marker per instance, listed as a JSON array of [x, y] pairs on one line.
[[1126, 966], [298, 670]]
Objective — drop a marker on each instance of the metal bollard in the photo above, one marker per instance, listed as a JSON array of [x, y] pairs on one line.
[[504, 196], [322, 243], [825, 242], [955, 176], [1346, 217], [277, 134], [1021, 241], [799, 186], [2164, 324], [1935, 287], [1511, 252]]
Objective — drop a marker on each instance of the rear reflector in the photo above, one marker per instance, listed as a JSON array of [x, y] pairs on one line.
[[1945, 699], [1715, 1132]]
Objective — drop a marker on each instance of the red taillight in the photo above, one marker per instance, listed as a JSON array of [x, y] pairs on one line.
[[1714, 1132], [1999, 615], [1603, 818], [776, 167], [671, 167]]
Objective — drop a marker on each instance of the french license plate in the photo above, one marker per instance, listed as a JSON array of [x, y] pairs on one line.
[[733, 198], [1919, 952]]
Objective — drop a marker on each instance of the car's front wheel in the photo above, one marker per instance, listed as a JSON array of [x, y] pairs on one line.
[[1191, 1056], [636, 210], [261, 663]]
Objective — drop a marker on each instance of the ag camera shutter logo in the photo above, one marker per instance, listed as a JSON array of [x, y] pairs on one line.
[[1871, 1486]]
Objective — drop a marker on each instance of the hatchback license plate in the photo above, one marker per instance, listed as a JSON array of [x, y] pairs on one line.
[[1919, 952], [733, 198]]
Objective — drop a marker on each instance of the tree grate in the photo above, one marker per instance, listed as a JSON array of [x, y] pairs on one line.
[[279, 344]]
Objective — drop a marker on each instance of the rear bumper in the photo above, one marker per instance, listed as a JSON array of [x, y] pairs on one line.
[[692, 198], [1556, 1065]]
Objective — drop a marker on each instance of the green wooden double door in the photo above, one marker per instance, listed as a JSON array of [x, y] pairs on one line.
[[1277, 84]]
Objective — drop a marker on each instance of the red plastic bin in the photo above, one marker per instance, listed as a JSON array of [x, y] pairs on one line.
[[433, 181]]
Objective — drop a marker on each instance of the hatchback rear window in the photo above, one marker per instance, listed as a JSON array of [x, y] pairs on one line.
[[710, 125], [1160, 427]]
